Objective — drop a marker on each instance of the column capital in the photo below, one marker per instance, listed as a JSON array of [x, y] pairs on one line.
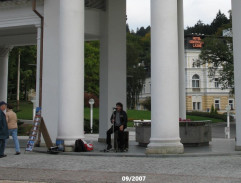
[[38, 25], [4, 51]]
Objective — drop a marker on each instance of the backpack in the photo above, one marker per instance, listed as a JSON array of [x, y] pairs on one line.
[[79, 146], [88, 146]]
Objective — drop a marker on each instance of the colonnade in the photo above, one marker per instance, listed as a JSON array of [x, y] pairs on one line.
[[66, 84]]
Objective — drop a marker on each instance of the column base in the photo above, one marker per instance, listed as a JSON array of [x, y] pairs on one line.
[[165, 147], [102, 140], [70, 141], [69, 148], [237, 148]]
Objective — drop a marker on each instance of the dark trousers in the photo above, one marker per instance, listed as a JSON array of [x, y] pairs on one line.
[[120, 136], [2, 146]]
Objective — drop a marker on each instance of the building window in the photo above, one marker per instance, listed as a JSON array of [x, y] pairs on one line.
[[231, 103], [217, 104], [199, 106], [216, 83], [196, 106], [195, 81]]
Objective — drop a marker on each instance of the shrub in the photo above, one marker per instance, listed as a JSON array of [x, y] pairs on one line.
[[213, 110], [210, 115], [87, 126], [147, 103]]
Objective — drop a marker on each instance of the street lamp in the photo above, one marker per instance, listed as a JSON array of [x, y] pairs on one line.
[[227, 129], [91, 102]]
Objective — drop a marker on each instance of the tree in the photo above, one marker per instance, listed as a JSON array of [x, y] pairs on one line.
[[200, 28], [147, 103], [92, 67], [219, 21], [218, 53], [27, 71], [135, 70]]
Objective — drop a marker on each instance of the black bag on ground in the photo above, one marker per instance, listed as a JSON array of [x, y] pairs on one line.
[[79, 146]]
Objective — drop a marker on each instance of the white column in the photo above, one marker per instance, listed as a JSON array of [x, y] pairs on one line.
[[4, 52], [164, 78], [112, 61], [236, 13], [181, 55], [71, 71], [38, 64]]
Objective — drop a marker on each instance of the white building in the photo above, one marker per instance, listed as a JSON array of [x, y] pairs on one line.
[[202, 91]]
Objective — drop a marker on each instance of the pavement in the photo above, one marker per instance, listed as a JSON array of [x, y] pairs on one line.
[[218, 162]]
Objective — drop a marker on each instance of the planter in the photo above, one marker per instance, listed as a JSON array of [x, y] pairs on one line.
[[143, 134], [192, 133], [195, 133]]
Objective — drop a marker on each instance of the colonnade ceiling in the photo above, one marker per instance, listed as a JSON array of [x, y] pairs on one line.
[[98, 4], [19, 36], [18, 26]]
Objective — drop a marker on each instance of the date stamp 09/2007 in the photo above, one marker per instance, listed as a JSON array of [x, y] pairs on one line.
[[133, 178]]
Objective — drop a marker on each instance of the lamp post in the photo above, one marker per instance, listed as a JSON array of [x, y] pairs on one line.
[[227, 129], [91, 102], [18, 80]]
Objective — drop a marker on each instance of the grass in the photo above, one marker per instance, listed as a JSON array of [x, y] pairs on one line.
[[135, 114], [95, 113], [26, 110], [199, 118]]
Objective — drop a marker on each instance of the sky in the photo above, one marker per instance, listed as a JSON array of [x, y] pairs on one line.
[[138, 11]]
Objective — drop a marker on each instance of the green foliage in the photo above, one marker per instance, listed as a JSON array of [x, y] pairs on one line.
[[213, 111], [201, 118], [25, 109], [27, 70], [87, 126], [95, 113], [220, 21], [218, 53], [221, 117], [138, 60], [138, 114], [92, 54], [147, 103], [24, 129]]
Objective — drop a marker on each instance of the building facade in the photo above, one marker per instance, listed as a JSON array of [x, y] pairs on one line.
[[202, 91]]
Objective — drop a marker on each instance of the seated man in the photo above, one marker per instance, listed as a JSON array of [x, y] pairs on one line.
[[119, 120]]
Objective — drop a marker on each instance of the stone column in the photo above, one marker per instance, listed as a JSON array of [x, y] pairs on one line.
[[112, 61], [71, 71], [4, 53], [164, 78], [181, 55], [38, 64], [236, 14]]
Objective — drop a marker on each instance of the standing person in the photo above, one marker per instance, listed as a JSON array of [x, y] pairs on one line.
[[119, 120], [3, 129], [12, 122]]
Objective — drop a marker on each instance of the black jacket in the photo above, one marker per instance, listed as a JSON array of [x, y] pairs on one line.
[[3, 126], [123, 118]]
